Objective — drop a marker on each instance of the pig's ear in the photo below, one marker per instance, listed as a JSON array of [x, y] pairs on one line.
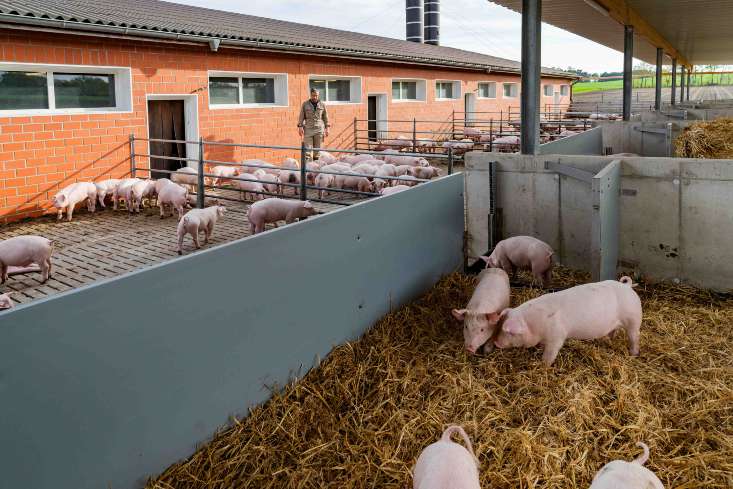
[[459, 314], [493, 317]]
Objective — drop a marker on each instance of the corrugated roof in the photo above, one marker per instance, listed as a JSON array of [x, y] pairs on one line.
[[154, 18]]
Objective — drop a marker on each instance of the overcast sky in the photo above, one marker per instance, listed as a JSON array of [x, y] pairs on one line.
[[476, 25]]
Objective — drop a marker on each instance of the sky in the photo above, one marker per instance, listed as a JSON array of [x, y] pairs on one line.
[[474, 25]]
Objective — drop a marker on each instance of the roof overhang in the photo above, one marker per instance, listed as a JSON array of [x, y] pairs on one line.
[[691, 31]]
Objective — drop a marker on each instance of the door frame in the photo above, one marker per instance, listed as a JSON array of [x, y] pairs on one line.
[[469, 107], [382, 107], [190, 120]]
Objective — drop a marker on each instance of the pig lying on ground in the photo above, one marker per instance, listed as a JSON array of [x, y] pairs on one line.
[[21, 251], [105, 188], [172, 194], [523, 253], [197, 220], [446, 464], [68, 197], [583, 312], [275, 209], [480, 316], [627, 475], [6, 302]]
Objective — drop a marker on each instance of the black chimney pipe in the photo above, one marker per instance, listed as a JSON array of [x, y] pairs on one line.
[[413, 27], [432, 22]]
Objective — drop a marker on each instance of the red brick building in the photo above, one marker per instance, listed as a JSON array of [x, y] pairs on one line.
[[77, 78]]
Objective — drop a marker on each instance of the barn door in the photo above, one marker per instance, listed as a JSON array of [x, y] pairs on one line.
[[372, 117], [166, 121]]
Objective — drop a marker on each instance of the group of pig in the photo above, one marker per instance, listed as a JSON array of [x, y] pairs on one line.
[[583, 312]]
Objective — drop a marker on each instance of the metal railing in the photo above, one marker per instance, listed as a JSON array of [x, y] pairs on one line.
[[300, 189]]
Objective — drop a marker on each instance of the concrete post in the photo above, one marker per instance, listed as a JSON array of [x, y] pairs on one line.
[[531, 53], [628, 66], [674, 81], [689, 72], [658, 87]]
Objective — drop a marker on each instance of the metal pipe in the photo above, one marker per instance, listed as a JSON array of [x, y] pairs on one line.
[[674, 81], [414, 136], [688, 82], [531, 75], [628, 67], [132, 155], [303, 192], [200, 193], [658, 86]]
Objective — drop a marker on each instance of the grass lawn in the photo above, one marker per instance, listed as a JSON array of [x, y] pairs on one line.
[[648, 82]]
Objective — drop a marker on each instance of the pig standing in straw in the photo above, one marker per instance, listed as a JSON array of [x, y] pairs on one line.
[[197, 220], [523, 253], [583, 312], [480, 316], [447, 465], [627, 475]]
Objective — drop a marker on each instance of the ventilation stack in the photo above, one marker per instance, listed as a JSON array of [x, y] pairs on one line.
[[413, 9], [432, 22]]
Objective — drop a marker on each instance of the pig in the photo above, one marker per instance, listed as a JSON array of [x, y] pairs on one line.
[[355, 182], [408, 180], [523, 253], [583, 312], [446, 464], [68, 197], [336, 167], [365, 169], [197, 220], [269, 167], [627, 475], [288, 176], [326, 158], [258, 173], [248, 186], [353, 159], [105, 188], [186, 176], [172, 194], [275, 209], [379, 184], [21, 251], [481, 315], [394, 190], [144, 189], [271, 183], [401, 170], [311, 166], [290, 163], [406, 160], [382, 154], [5, 301], [324, 181], [424, 172], [223, 174], [507, 141], [121, 190]]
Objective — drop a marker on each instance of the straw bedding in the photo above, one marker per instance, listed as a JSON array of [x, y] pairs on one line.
[[362, 417], [713, 139]]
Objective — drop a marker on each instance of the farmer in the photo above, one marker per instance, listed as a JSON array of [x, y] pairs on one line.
[[313, 123]]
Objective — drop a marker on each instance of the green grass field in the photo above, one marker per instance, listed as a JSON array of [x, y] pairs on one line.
[[649, 82]]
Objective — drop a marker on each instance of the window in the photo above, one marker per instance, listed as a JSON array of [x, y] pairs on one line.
[[408, 90], [39, 89], [487, 90], [247, 89], [447, 89], [564, 90], [337, 89], [549, 90], [510, 90]]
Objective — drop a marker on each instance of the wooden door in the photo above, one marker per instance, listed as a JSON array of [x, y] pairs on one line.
[[166, 120], [372, 116]]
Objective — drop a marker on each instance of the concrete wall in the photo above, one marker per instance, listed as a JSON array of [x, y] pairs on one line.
[[673, 217], [109, 384], [586, 143]]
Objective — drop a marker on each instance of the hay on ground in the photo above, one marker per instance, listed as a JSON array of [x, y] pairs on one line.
[[713, 140], [362, 417]]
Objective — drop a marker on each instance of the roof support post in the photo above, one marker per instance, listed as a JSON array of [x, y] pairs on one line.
[[674, 81], [628, 67], [658, 85], [682, 83], [531, 75], [689, 72]]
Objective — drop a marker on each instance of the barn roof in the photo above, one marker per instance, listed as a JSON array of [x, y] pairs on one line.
[[158, 19]]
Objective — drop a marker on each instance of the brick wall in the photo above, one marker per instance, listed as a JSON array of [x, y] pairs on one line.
[[41, 153]]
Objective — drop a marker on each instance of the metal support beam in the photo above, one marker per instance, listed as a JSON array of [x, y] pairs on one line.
[[682, 84], [658, 85], [674, 81], [531, 51], [628, 67], [689, 72]]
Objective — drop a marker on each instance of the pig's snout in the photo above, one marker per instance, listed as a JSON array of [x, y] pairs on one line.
[[471, 349]]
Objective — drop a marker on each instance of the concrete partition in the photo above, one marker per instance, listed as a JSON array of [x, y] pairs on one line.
[[586, 143], [106, 385]]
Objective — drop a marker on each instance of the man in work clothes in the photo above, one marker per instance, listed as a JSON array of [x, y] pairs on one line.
[[313, 123]]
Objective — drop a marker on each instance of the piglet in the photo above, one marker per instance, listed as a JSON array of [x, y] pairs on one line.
[[223, 173], [6, 302], [172, 194], [123, 191], [523, 253], [105, 188], [21, 251], [627, 475], [424, 172], [583, 312], [197, 220], [273, 210], [68, 197], [446, 464], [249, 185], [144, 189], [480, 316]]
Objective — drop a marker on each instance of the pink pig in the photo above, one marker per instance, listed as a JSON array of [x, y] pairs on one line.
[[480, 316], [275, 209], [446, 464], [68, 197], [523, 253], [197, 220], [6, 302], [172, 194], [21, 251], [583, 312], [627, 475]]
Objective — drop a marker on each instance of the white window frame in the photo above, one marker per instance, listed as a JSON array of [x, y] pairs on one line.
[[123, 88], [503, 92], [564, 87], [544, 90], [486, 83], [355, 91], [456, 90], [420, 92], [281, 89]]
